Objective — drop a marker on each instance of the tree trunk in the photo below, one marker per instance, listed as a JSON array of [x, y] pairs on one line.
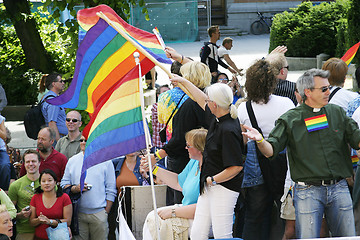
[[35, 53]]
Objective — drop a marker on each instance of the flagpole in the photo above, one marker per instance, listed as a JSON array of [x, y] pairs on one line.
[[142, 50], [148, 143]]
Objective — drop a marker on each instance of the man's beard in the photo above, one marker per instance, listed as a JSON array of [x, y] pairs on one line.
[[42, 149]]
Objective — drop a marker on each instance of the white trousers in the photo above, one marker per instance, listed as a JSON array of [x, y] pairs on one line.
[[215, 208]]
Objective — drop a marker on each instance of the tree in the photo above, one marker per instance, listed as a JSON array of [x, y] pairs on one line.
[[354, 26], [26, 30]]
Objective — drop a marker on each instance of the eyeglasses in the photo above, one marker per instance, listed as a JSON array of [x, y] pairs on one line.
[[208, 100], [287, 67], [324, 89], [74, 120], [83, 140], [61, 81], [188, 146], [223, 79]]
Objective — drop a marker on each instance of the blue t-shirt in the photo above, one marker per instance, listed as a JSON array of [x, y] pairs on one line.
[[189, 180], [2, 143], [54, 113]]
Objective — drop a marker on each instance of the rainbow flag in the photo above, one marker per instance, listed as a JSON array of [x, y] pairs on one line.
[[316, 123], [350, 54], [116, 127], [354, 160], [104, 58]]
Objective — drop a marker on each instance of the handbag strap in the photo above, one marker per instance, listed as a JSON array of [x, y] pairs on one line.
[[174, 110], [251, 114]]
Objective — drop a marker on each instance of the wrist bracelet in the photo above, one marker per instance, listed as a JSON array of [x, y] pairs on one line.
[[182, 59], [262, 139], [158, 154], [156, 168]]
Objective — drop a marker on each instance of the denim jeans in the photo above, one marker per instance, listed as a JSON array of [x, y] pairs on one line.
[[5, 170], [311, 202], [258, 206], [252, 172]]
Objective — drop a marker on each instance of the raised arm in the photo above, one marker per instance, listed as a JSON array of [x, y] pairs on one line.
[[264, 146], [173, 54], [199, 96]]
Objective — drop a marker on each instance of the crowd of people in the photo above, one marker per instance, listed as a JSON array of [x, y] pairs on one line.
[[215, 144]]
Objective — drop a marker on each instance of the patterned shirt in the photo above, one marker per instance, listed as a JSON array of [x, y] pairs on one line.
[[166, 104], [352, 106], [156, 127], [287, 89]]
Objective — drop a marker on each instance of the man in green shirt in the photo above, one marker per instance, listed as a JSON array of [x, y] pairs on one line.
[[317, 136], [21, 192], [69, 145]]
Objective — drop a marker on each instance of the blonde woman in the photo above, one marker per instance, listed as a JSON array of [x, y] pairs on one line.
[[176, 219], [6, 225]]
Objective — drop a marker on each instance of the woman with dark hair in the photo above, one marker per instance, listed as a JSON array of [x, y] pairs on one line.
[[54, 116], [49, 206], [260, 84], [233, 84]]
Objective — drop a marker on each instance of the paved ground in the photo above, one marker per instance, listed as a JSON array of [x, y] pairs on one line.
[[246, 50]]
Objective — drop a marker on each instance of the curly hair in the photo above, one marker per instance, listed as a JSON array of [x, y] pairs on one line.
[[260, 81]]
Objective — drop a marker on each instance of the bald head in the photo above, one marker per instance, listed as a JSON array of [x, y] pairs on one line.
[[73, 121]]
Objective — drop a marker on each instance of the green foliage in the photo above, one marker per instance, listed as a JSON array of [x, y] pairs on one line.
[[310, 30], [71, 26], [354, 26], [20, 82]]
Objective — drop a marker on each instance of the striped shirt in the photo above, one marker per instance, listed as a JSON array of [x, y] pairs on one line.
[[287, 89]]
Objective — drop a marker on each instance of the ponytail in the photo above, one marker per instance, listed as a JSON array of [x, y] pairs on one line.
[[233, 111], [42, 83]]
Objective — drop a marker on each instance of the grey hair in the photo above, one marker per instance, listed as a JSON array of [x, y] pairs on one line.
[[306, 81], [223, 96]]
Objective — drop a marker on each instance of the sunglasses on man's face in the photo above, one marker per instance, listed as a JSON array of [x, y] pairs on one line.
[[74, 120], [82, 140], [324, 89]]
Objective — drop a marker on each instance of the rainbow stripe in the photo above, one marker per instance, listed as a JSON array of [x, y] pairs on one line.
[[354, 160], [350, 54], [116, 127], [105, 58], [316, 123]]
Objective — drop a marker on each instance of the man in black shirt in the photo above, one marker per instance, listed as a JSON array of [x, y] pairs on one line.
[[209, 52]]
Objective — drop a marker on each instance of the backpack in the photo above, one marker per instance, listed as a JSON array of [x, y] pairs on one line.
[[34, 120]]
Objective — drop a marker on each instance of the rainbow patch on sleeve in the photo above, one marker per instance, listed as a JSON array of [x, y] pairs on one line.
[[316, 123]]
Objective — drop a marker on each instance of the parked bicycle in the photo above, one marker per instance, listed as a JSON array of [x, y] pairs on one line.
[[262, 25]]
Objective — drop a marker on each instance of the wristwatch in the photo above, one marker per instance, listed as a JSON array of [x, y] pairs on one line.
[[173, 214], [51, 222], [213, 182]]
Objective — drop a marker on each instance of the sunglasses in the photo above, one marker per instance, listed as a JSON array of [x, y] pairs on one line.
[[287, 67], [74, 120], [83, 140], [223, 79], [324, 89]]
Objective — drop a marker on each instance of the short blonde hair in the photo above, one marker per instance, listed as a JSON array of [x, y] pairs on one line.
[[196, 72], [227, 40], [197, 138], [3, 208]]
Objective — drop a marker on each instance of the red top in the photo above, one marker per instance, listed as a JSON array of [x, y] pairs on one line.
[[55, 212], [55, 161]]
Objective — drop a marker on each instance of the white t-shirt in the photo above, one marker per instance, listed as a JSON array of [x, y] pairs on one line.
[[342, 97], [266, 114], [222, 50]]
